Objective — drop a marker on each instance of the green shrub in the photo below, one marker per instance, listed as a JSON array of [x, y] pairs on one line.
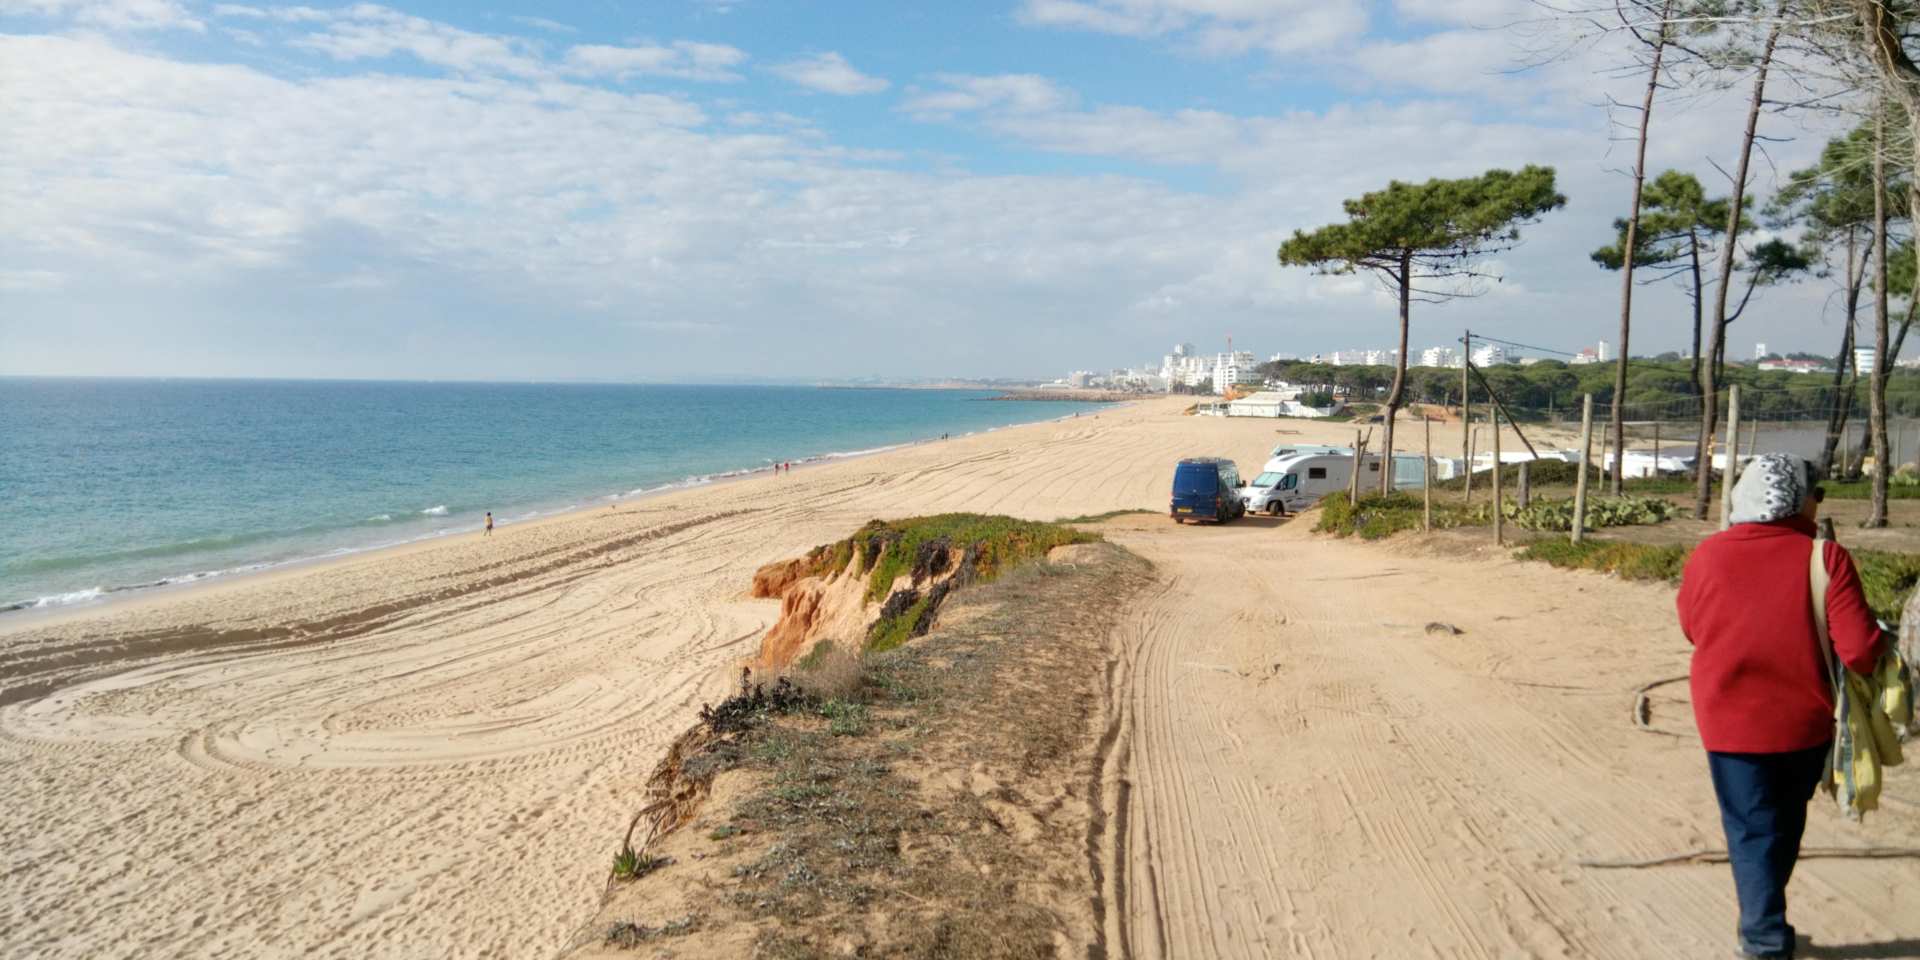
[[1377, 516], [1888, 579], [1629, 561], [994, 542], [1557, 514], [1863, 489]]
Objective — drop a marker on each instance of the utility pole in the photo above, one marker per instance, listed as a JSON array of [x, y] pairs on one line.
[[1466, 412], [1586, 468]]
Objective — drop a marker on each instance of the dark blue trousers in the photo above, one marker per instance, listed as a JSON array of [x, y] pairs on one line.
[[1763, 807]]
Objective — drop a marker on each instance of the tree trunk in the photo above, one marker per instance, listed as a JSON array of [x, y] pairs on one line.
[[1631, 246], [1693, 254], [1399, 375], [1709, 388], [1840, 405], [1877, 386]]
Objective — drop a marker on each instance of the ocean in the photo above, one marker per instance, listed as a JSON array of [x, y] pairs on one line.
[[110, 485]]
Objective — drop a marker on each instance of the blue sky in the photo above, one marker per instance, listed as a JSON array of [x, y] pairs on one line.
[[698, 189]]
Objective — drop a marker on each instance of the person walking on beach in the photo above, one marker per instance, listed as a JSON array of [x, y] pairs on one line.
[[489, 532], [1762, 697]]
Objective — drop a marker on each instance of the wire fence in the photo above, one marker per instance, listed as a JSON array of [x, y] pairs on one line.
[[1827, 426]]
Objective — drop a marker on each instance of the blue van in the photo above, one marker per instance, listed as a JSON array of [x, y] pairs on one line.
[[1207, 488]]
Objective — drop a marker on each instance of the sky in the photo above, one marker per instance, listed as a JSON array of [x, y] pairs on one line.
[[699, 190]]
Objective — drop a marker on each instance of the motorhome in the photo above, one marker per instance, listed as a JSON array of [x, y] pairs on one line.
[[1298, 476]]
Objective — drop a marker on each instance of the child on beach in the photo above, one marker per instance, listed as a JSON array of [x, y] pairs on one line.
[[489, 532]]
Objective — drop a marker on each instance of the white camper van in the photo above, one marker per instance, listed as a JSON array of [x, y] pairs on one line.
[[1292, 481]]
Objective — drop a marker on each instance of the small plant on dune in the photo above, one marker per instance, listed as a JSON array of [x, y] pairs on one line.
[[631, 864], [753, 704], [845, 718], [628, 935], [1109, 515]]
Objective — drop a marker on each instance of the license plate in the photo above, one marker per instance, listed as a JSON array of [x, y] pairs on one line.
[[1185, 510]]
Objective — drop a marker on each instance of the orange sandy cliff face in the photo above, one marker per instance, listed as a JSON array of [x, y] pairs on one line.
[[812, 609], [834, 606]]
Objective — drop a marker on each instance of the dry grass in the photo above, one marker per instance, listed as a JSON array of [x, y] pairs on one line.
[[938, 804], [829, 672]]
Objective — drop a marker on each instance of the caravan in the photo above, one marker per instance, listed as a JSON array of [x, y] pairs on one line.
[[1299, 475]]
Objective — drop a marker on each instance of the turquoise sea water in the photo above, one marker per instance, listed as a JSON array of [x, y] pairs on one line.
[[111, 485]]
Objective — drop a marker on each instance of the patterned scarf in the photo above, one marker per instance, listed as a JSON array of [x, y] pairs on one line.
[[1774, 486]]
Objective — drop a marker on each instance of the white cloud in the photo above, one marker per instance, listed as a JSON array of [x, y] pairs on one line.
[[1012, 92], [110, 14], [284, 14], [1227, 27], [683, 59], [542, 23], [31, 280], [829, 73], [545, 221], [1476, 13], [371, 32]]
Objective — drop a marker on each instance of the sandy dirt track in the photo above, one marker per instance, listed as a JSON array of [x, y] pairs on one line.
[[1312, 773], [428, 752]]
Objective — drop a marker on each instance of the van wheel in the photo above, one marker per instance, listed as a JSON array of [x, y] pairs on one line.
[[1276, 510]]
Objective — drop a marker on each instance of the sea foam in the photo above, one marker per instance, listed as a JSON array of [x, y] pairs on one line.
[[439, 511]]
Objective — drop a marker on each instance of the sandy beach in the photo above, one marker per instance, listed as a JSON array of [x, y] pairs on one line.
[[422, 751], [430, 751]]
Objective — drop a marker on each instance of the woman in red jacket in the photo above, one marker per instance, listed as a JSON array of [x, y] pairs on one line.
[[1761, 694]]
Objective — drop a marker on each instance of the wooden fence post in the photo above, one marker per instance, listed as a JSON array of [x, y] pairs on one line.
[[1426, 477], [1656, 449], [1353, 482], [1526, 486], [1498, 511], [1731, 474], [1473, 441], [1586, 467]]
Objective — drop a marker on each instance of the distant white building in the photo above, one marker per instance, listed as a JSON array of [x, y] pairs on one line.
[[1489, 355], [1283, 358], [1182, 367], [1587, 355], [1439, 357], [1080, 378], [1232, 369], [1863, 359], [1760, 350], [1600, 351], [1795, 366]]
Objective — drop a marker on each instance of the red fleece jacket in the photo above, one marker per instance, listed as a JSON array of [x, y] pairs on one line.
[[1759, 679]]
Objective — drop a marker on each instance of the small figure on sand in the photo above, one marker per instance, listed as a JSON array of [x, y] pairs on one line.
[[489, 532]]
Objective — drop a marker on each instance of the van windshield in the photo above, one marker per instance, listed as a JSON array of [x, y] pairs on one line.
[[1198, 479], [1267, 479]]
